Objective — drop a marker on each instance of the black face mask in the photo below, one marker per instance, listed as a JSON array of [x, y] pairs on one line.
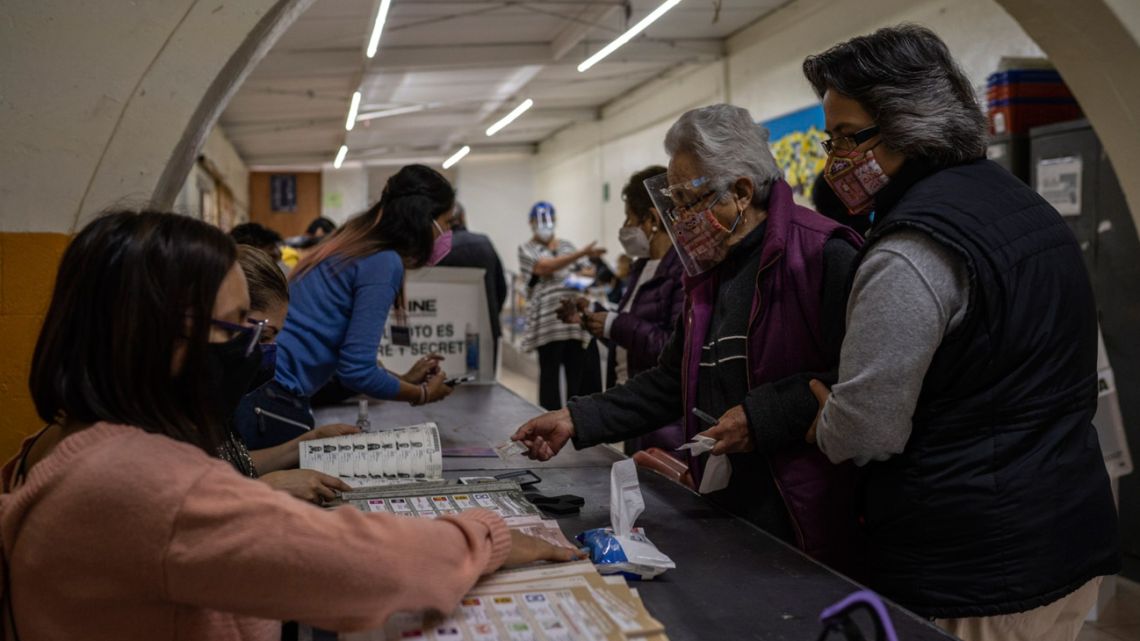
[[233, 373]]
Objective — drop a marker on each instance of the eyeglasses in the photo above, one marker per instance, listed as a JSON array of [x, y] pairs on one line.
[[250, 334], [849, 143], [684, 198]]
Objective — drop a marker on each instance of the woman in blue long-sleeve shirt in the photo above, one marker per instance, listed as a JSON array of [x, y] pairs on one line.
[[341, 293]]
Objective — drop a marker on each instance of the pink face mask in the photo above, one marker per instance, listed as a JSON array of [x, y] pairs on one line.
[[441, 247], [855, 178]]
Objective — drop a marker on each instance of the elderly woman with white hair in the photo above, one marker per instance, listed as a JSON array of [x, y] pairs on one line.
[[765, 289]]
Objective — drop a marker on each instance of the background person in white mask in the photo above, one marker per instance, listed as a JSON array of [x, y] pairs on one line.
[[545, 262], [654, 297]]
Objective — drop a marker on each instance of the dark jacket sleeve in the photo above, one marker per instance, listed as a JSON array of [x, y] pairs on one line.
[[780, 413], [500, 282], [646, 337], [643, 334], [646, 402]]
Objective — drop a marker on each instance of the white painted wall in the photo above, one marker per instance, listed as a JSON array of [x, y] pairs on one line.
[[765, 60], [497, 194], [344, 192], [99, 95], [574, 165], [762, 72], [221, 153]]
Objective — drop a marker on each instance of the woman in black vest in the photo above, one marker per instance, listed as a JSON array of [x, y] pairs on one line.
[[967, 378]]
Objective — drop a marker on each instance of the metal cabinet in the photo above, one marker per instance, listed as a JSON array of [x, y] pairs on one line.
[[1069, 167]]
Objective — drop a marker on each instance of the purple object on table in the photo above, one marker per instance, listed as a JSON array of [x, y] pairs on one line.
[[469, 452], [833, 615]]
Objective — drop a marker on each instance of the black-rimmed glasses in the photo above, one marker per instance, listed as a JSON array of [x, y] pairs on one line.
[[250, 332], [849, 143]]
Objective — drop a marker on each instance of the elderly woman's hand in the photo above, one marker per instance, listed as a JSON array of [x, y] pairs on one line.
[[731, 433], [595, 323], [570, 309]]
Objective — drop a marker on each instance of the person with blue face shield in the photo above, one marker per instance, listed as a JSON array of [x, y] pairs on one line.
[[545, 263]]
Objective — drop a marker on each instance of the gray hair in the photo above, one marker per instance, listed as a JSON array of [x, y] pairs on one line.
[[727, 144], [906, 79]]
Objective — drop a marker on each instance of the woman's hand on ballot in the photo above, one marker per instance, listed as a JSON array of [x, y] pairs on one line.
[[528, 549], [545, 435], [307, 485]]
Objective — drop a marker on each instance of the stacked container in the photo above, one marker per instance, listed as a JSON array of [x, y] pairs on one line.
[[1020, 99]]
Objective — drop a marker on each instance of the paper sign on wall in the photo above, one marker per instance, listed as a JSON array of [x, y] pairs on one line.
[[1059, 182]]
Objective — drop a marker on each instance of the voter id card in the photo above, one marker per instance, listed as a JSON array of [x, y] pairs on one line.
[[507, 449]]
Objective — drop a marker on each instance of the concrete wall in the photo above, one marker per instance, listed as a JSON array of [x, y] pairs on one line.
[[573, 167], [344, 192], [761, 73], [218, 153], [497, 194], [103, 103]]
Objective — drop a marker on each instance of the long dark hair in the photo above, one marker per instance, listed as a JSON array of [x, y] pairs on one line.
[[401, 221], [131, 287]]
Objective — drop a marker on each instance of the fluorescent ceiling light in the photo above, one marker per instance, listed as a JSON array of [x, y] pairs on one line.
[[509, 118], [396, 111], [340, 156], [628, 35], [377, 27], [447, 164], [352, 109]]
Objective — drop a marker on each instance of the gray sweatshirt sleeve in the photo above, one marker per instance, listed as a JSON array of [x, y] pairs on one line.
[[908, 294]]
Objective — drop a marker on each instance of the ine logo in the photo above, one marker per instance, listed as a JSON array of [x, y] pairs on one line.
[[423, 307]]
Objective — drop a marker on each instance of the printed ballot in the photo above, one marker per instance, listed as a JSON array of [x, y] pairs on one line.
[[564, 602], [402, 455]]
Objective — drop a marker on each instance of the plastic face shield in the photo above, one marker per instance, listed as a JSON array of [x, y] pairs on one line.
[[544, 221], [686, 211]]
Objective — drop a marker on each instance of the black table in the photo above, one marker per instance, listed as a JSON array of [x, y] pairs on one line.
[[473, 416], [732, 581]]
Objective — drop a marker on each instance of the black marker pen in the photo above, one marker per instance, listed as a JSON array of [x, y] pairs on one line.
[[704, 416]]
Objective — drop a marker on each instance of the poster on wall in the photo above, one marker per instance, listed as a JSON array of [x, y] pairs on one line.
[[795, 141], [447, 314], [283, 193], [1059, 182]]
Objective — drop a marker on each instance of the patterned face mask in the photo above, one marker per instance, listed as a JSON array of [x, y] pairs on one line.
[[691, 222], [855, 177]]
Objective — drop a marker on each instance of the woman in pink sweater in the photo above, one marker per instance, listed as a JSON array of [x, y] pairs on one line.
[[117, 523]]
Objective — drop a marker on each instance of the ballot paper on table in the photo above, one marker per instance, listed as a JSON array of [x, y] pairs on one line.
[[555, 602], [388, 457], [717, 470]]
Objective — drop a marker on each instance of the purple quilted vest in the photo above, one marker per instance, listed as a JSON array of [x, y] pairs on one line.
[[785, 337]]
